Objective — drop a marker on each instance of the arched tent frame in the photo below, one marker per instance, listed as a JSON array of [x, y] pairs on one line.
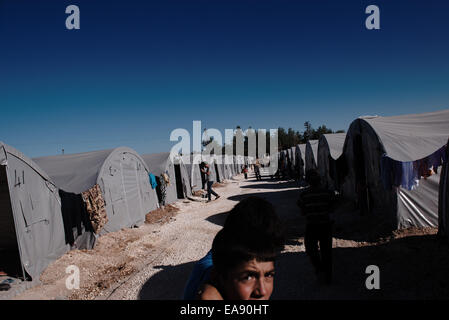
[[311, 153], [122, 175], [159, 163], [330, 148], [299, 160], [33, 219], [192, 162], [373, 144]]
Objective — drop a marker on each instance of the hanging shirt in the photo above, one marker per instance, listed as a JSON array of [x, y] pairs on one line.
[[153, 181]]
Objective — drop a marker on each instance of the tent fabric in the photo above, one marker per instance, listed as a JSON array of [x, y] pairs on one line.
[[122, 176], [311, 155], [191, 163], [293, 156], [185, 177], [330, 148], [335, 142], [443, 199], [227, 170], [401, 138], [159, 163], [413, 136], [32, 221], [75, 172], [289, 160], [299, 156]]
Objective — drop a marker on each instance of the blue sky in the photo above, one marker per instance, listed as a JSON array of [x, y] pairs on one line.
[[136, 70]]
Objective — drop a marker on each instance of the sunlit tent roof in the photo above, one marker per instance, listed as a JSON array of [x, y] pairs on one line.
[[330, 148], [311, 155], [192, 162], [159, 163], [302, 147], [78, 172], [413, 136], [397, 152], [335, 142], [30, 212]]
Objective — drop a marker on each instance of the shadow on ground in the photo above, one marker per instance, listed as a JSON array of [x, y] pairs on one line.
[[168, 283], [218, 219], [413, 267], [410, 268], [274, 185]]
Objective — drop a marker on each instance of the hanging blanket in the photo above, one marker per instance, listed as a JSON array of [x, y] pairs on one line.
[[95, 207], [407, 174]]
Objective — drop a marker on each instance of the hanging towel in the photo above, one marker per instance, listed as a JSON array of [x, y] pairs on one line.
[[153, 181]]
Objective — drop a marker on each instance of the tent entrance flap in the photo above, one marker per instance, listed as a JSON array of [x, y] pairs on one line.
[[9, 250], [158, 190], [179, 186]]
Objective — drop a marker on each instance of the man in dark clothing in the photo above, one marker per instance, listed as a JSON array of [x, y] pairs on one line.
[[206, 171], [316, 203]]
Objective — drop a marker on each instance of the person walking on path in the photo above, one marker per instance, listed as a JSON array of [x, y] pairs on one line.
[[316, 203], [205, 169]]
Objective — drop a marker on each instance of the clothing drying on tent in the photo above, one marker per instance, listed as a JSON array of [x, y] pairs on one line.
[[122, 176], [31, 222], [388, 156]]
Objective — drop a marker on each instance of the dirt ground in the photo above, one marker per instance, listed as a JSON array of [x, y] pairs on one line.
[[154, 261]]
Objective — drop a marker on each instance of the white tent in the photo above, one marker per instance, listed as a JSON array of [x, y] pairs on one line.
[[227, 167], [330, 148], [217, 165], [161, 163], [182, 176], [31, 224], [300, 151], [192, 162], [121, 174], [386, 158], [311, 155]]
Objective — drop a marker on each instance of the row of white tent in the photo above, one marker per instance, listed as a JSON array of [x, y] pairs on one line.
[[374, 150], [379, 164], [31, 208]]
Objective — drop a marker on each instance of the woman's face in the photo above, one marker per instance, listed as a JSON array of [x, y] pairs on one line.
[[252, 280]]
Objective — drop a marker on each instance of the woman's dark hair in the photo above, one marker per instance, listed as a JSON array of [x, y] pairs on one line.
[[251, 231]]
